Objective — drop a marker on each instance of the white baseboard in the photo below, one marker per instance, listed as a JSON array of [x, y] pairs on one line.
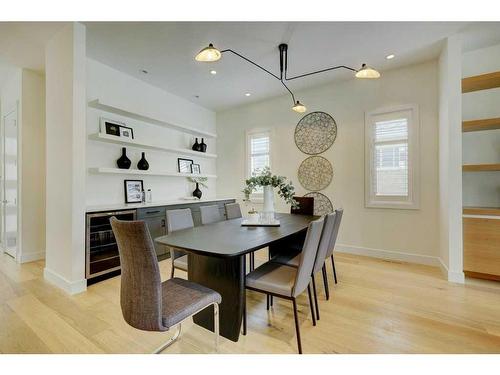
[[389, 255], [32, 257], [71, 287], [451, 276]]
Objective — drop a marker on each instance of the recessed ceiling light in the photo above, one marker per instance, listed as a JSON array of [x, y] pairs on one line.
[[248, 94], [390, 57], [144, 71], [213, 72]]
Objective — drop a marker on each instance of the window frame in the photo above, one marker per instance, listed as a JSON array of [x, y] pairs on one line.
[[256, 197], [412, 200]]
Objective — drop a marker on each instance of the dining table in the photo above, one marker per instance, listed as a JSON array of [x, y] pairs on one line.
[[217, 259]]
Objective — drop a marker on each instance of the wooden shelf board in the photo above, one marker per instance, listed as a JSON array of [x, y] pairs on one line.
[[146, 173], [99, 104], [487, 211], [481, 82], [479, 125], [481, 167], [142, 145]]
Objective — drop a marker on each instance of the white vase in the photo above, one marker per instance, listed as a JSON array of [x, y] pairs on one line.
[[268, 208]]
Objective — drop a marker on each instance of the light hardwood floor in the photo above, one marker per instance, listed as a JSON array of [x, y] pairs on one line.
[[377, 307]]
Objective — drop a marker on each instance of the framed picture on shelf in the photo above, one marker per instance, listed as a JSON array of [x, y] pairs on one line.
[[110, 127], [133, 191], [195, 169], [126, 132], [184, 165]]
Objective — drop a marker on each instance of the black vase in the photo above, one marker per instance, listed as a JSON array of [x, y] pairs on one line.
[[197, 192], [203, 146], [123, 162], [143, 164], [196, 146]]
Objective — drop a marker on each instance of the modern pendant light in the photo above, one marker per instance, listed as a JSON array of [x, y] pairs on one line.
[[210, 54], [367, 72]]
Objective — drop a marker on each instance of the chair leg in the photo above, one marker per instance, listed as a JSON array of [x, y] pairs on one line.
[[271, 300], [252, 261], [216, 326], [315, 298], [325, 282], [267, 301], [334, 273], [245, 316], [311, 304], [173, 269], [170, 341], [297, 328]]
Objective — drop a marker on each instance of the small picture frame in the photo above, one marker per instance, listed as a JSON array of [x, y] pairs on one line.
[[133, 191], [184, 165], [195, 169], [110, 127], [126, 132]]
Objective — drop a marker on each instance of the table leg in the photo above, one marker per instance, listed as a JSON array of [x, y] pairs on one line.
[[226, 276]]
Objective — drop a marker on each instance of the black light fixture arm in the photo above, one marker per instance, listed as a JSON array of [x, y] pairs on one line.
[[320, 71]]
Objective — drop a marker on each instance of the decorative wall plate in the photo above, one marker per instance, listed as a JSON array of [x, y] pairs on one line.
[[315, 133], [315, 173], [322, 205]]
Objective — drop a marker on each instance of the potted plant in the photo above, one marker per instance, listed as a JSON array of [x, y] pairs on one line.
[[198, 181]]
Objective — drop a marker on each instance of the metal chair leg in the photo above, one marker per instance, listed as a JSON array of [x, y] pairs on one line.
[[325, 282], [315, 297], [297, 328], [311, 305], [216, 326], [334, 272], [245, 316], [271, 300], [170, 341], [267, 301]]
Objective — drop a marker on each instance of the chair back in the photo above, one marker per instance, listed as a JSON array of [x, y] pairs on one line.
[[179, 219], [210, 214], [324, 242], [306, 206], [233, 211], [308, 256], [338, 217], [140, 291]]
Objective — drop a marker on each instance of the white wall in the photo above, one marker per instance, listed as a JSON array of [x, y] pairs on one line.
[[378, 232], [106, 83]]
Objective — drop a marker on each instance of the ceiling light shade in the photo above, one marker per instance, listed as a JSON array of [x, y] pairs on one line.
[[299, 107], [367, 72], [208, 54]]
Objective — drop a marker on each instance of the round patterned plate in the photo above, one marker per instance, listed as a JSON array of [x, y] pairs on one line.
[[322, 205], [315, 173], [315, 133]]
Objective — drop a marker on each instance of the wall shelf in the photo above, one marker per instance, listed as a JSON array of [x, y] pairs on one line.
[[481, 167], [143, 145], [108, 107], [146, 173], [487, 211], [481, 82], [479, 125]]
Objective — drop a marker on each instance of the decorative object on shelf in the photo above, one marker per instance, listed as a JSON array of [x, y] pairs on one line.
[[196, 146], [126, 132], [184, 165], [315, 133], [315, 173], [203, 146], [322, 205], [211, 54], [133, 191], [198, 181], [143, 164], [195, 169], [123, 162], [149, 196], [110, 127], [268, 182]]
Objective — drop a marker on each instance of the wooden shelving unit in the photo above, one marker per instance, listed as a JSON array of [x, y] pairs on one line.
[[143, 145], [481, 167], [486, 211], [481, 82], [146, 173], [479, 125]]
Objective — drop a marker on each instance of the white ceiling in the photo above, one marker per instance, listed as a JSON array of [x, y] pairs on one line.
[[166, 50]]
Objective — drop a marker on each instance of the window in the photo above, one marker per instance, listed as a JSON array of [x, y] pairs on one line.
[[391, 165], [258, 154]]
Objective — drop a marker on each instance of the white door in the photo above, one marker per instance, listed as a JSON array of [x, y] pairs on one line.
[[9, 183]]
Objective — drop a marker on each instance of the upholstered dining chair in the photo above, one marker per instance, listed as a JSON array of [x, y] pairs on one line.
[[210, 214], [233, 211], [329, 254], [147, 303], [288, 282], [177, 220]]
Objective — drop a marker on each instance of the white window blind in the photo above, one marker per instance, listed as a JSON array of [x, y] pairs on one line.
[[258, 155]]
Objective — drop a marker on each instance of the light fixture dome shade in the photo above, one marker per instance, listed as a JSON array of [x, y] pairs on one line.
[[208, 54], [299, 107], [367, 72]]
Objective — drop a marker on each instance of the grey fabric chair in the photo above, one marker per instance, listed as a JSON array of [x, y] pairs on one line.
[[329, 254], [210, 214], [288, 282], [233, 211], [178, 220], [147, 303]]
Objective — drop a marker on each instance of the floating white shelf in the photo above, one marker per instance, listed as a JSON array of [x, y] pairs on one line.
[[142, 145], [99, 104], [148, 172]]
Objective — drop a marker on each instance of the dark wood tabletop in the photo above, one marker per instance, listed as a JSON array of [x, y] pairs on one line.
[[228, 238]]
